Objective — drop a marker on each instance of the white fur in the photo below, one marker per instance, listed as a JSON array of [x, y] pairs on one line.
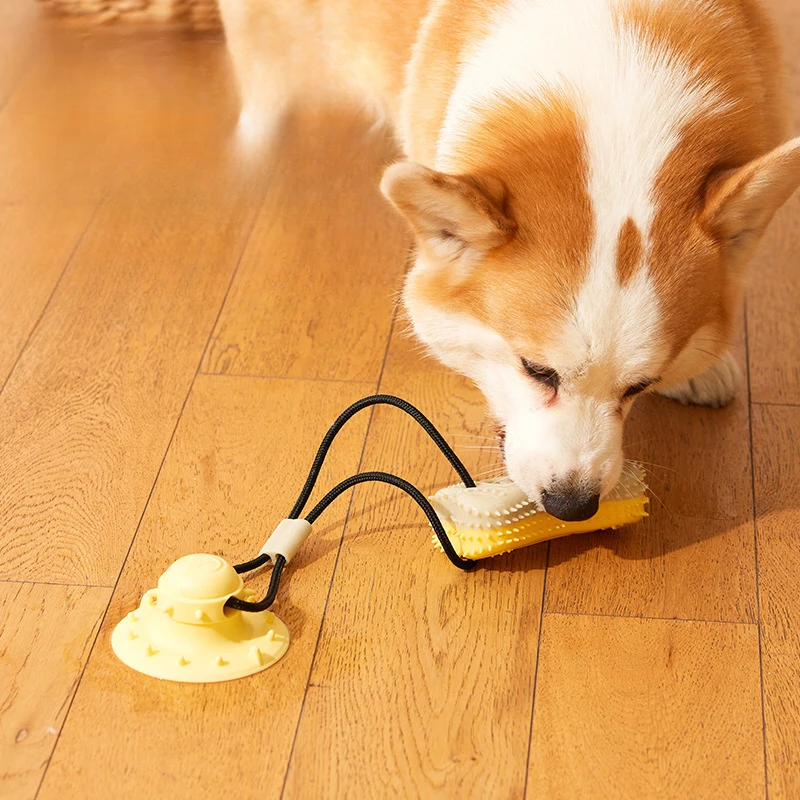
[[580, 434], [633, 101], [715, 387], [608, 344], [633, 97], [616, 326]]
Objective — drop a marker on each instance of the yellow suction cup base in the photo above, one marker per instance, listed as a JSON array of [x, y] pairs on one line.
[[182, 631]]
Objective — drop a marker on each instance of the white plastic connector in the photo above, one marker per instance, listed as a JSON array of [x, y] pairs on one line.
[[286, 539]]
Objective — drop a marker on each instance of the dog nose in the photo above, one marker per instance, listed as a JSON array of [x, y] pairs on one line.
[[571, 505]]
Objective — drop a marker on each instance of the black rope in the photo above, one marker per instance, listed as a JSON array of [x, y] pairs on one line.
[[377, 399], [413, 492], [349, 483], [249, 566], [272, 591]]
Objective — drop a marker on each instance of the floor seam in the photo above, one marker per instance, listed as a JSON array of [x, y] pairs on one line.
[[338, 555], [536, 673], [769, 403], [241, 375], [167, 449], [100, 203], [755, 552], [651, 619], [68, 584]]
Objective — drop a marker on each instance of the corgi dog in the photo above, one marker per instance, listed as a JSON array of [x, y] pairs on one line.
[[586, 181]]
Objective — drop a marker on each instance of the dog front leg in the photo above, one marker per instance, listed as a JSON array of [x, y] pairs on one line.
[[715, 387]]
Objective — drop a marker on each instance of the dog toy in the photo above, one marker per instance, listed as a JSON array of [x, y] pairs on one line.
[[496, 517], [202, 625], [183, 630]]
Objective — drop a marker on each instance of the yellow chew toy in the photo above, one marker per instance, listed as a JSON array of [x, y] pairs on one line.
[[496, 517]]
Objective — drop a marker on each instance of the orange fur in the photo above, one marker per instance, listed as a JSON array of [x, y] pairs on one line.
[[540, 161], [688, 268], [560, 289], [406, 60], [528, 148], [630, 251]]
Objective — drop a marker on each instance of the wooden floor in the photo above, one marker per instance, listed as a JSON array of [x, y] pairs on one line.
[[179, 328]]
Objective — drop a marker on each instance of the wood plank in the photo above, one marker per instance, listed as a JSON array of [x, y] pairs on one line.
[[46, 633], [773, 301], [20, 31], [641, 709], [145, 114], [36, 242], [773, 312], [238, 460], [776, 458], [315, 292], [693, 558], [423, 681], [88, 412]]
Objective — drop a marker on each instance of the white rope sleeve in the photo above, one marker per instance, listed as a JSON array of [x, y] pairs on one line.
[[286, 539]]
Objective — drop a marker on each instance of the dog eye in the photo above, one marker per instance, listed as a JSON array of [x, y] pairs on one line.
[[637, 388], [544, 375]]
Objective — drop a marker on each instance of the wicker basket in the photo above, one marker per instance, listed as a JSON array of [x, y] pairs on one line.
[[199, 15]]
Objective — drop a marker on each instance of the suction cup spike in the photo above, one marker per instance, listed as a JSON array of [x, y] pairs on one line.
[[183, 631]]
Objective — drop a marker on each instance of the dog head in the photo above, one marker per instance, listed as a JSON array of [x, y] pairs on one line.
[[564, 290]]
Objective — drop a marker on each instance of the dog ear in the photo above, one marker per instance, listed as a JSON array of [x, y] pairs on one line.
[[454, 217], [740, 203]]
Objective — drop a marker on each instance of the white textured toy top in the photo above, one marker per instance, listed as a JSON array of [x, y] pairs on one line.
[[496, 516]]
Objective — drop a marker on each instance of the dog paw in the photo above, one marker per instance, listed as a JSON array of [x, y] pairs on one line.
[[715, 387]]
